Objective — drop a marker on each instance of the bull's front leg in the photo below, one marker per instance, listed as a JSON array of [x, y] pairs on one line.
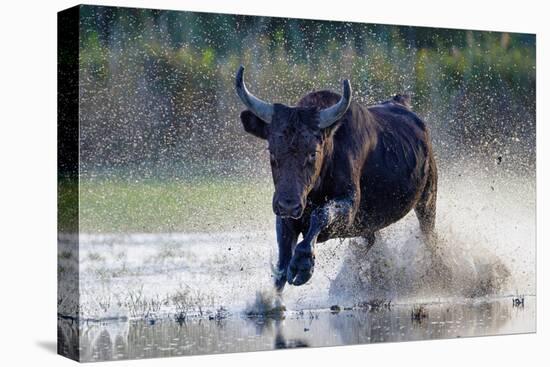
[[335, 212], [287, 236]]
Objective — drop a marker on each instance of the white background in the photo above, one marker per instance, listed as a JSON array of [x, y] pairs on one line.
[[28, 179]]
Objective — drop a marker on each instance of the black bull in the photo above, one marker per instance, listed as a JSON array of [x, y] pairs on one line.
[[340, 170]]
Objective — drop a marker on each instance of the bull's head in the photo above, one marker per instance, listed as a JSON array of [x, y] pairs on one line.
[[299, 139]]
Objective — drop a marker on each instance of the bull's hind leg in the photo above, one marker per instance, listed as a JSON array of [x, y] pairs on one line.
[[440, 269], [426, 207]]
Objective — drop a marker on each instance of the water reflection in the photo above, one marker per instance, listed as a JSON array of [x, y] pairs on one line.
[[165, 338]]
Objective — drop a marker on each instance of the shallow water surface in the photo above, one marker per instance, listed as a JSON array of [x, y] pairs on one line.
[[307, 328]]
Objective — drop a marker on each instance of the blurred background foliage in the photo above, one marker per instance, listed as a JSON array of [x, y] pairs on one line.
[[157, 95], [161, 144]]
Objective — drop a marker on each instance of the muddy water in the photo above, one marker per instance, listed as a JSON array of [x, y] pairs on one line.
[[315, 328]]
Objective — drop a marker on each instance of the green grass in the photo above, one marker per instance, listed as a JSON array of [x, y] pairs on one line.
[[108, 206], [67, 213]]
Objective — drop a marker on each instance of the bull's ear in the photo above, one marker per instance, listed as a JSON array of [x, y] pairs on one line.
[[253, 125]]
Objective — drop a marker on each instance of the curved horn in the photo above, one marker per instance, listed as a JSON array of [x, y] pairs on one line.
[[258, 107], [330, 115]]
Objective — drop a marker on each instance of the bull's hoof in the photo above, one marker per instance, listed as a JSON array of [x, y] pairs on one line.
[[276, 311], [301, 268], [280, 280]]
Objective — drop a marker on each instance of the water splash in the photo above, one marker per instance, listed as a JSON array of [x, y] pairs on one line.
[[485, 246]]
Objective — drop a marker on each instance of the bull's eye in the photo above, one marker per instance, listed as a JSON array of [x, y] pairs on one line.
[[311, 157]]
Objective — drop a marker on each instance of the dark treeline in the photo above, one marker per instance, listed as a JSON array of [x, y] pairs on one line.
[[156, 87]]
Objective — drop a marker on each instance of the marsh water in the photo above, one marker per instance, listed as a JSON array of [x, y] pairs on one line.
[[141, 295], [114, 340]]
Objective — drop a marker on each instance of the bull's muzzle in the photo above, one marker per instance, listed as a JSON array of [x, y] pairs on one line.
[[288, 208]]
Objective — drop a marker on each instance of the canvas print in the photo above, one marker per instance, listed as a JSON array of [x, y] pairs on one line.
[[232, 183]]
